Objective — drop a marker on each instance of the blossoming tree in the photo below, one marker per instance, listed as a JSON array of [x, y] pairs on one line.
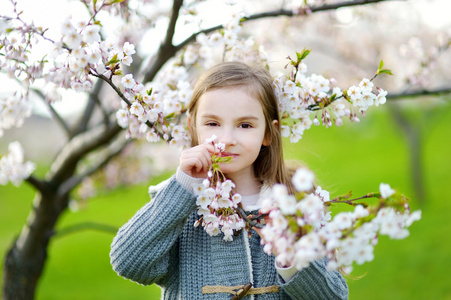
[[144, 98]]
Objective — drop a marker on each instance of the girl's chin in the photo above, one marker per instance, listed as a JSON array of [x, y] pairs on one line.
[[227, 171], [231, 172]]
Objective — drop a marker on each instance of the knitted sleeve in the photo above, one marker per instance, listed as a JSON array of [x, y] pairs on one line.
[[145, 248], [316, 282]]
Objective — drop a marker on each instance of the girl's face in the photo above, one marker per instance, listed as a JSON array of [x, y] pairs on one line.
[[237, 119]]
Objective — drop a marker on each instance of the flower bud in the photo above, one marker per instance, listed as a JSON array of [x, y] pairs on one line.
[[316, 121]]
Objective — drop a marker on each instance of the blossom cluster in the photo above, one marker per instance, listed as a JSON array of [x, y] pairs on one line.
[[81, 52], [414, 50], [12, 166], [300, 96], [156, 114], [153, 112], [13, 111], [300, 230], [216, 202], [16, 40]]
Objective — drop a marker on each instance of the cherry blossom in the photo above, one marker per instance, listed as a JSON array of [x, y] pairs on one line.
[[303, 179], [386, 190], [305, 234], [13, 168], [217, 202]]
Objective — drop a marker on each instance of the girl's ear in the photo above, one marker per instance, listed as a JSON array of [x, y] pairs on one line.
[[267, 139]]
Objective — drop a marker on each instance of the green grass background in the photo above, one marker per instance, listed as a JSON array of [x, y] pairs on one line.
[[354, 157]]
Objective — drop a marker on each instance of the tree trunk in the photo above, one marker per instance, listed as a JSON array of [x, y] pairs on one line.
[[414, 139], [25, 260]]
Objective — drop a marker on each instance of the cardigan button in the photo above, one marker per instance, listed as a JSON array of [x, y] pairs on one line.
[[242, 292]]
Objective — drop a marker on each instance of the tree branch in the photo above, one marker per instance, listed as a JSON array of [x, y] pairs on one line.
[[66, 162], [280, 13], [167, 49], [53, 112], [75, 180], [85, 226], [176, 6], [115, 88], [419, 93], [89, 110], [249, 221], [38, 184]]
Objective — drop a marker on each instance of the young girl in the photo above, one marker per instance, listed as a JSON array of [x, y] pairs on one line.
[[160, 244]]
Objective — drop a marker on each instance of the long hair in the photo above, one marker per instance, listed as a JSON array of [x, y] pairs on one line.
[[269, 167]]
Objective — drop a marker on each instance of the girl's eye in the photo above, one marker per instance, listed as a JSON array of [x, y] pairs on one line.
[[245, 125], [211, 124]]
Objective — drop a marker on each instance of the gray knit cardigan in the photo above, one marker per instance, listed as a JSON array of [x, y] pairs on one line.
[[160, 245]]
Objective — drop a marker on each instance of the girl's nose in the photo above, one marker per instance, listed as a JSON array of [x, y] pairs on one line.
[[227, 137]]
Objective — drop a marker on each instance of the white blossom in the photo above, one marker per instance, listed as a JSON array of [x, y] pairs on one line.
[[303, 179], [385, 190], [128, 81], [128, 49], [13, 168], [366, 85], [91, 34], [380, 98]]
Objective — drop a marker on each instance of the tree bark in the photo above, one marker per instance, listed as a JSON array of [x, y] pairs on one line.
[[25, 260]]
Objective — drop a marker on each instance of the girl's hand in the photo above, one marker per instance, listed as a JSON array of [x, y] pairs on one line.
[[196, 161]]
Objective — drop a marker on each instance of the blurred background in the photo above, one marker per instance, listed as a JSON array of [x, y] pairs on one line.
[[406, 143]]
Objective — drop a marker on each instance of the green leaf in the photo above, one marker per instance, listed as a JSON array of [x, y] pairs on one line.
[[293, 225], [224, 159], [302, 55], [298, 55], [346, 196], [112, 61], [384, 71], [376, 195], [381, 65], [305, 53]]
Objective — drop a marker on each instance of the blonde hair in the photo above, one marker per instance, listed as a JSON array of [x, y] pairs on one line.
[[269, 167]]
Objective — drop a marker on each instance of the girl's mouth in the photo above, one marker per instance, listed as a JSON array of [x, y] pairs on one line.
[[225, 154]]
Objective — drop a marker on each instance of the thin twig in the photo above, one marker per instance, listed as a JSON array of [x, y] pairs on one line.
[[115, 88], [351, 201], [248, 221], [53, 112], [93, 100], [419, 93], [85, 226]]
